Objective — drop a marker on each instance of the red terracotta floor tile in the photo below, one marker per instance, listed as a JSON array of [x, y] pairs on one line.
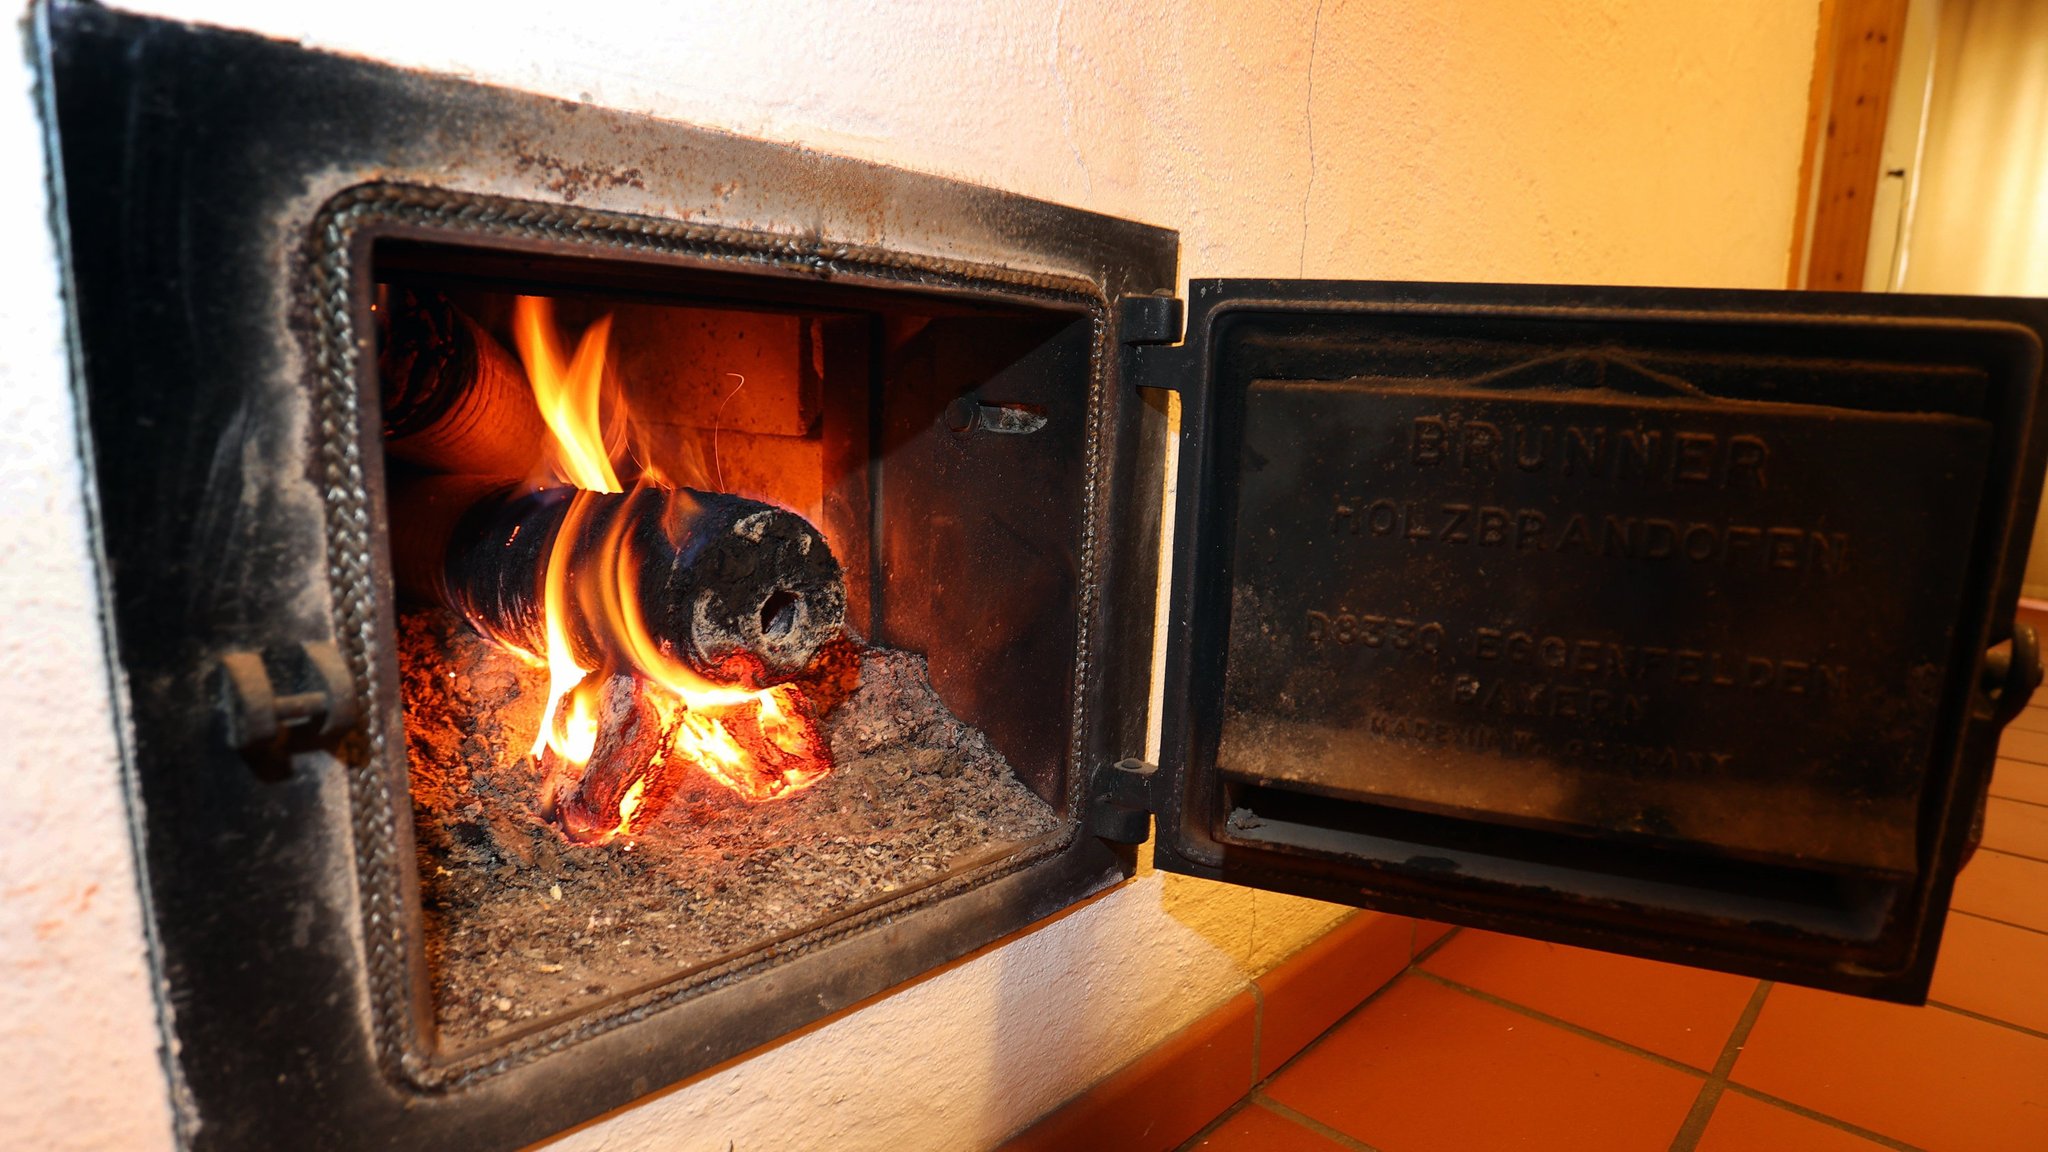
[[2024, 744], [1257, 1129], [1995, 970], [1425, 1068], [1428, 932], [1163, 1097], [2033, 718], [2016, 828], [1683, 1013], [1315, 987], [1922, 1075], [1743, 1124], [2017, 780], [2002, 887]]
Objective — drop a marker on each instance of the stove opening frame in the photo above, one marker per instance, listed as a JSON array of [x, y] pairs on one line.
[[923, 473]]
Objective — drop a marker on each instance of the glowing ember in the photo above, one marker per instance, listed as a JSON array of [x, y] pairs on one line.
[[629, 804], [764, 747], [763, 743], [579, 730]]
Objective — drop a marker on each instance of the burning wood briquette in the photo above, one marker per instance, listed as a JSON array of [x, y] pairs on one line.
[[454, 399], [669, 619], [741, 592]]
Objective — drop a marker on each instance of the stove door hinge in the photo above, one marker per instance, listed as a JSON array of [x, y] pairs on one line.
[[1121, 802], [2012, 671], [1146, 326], [1150, 319]]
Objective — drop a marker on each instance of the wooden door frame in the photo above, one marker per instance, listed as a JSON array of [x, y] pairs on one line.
[[1856, 63]]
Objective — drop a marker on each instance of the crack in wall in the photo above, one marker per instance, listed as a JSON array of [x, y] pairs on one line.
[[1308, 112]]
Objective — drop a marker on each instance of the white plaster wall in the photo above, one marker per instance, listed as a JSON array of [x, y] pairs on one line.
[[78, 1037], [1618, 141]]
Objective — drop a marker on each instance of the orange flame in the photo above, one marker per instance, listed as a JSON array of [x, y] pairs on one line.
[[786, 731], [762, 744], [564, 736], [763, 748], [569, 390]]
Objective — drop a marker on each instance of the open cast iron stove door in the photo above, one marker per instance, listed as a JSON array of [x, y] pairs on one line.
[[1674, 623]]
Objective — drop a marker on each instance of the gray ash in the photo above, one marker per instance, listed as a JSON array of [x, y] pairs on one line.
[[521, 924]]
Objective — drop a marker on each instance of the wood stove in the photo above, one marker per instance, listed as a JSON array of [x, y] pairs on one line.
[[1671, 622]]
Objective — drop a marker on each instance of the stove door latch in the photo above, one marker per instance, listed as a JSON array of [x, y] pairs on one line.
[[285, 699], [1120, 802]]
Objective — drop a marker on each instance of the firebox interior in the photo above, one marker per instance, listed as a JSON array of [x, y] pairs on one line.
[[936, 442]]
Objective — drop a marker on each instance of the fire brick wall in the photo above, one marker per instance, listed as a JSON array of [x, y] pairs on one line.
[[1625, 141]]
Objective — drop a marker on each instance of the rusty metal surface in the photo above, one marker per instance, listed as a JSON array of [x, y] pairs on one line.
[[1657, 617], [1650, 620]]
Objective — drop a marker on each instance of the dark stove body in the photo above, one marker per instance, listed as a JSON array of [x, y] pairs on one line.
[[224, 194]]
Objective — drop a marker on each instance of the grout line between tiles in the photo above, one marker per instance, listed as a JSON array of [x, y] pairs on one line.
[[2022, 1029], [1336, 1135], [1257, 1093], [1694, 1125], [1717, 1081], [1210, 1128], [1995, 920], [1981, 848], [1877, 1138], [2017, 800], [1703, 1105], [1259, 1085], [1334, 1025], [1567, 1025], [2007, 851], [1433, 949], [1258, 1030]]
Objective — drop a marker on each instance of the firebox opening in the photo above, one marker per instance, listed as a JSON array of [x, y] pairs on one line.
[[714, 629]]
